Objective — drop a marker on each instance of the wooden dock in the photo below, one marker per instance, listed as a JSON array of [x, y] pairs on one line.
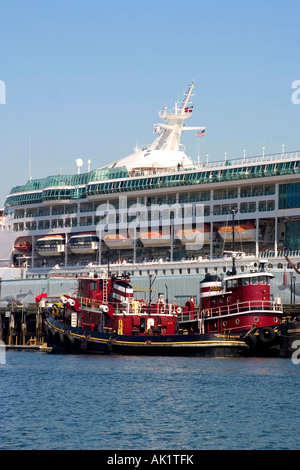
[[22, 329], [37, 347]]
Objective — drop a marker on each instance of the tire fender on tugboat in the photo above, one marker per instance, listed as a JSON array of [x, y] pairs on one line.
[[68, 338], [266, 335]]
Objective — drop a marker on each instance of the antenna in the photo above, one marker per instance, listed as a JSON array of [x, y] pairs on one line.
[[89, 166], [29, 156]]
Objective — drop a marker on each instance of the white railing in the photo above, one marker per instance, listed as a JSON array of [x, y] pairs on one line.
[[131, 307], [278, 157], [238, 308], [228, 163]]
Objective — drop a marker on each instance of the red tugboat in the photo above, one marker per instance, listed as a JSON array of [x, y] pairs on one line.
[[106, 318], [241, 304]]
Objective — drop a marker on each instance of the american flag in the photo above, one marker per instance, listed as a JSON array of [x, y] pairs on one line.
[[201, 133]]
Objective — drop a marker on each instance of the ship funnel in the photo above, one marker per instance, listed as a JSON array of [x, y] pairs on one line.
[[209, 287]]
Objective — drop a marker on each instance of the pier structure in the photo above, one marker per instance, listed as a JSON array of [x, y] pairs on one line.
[[21, 327]]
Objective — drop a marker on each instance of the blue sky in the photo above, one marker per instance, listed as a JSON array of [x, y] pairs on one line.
[[86, 79]]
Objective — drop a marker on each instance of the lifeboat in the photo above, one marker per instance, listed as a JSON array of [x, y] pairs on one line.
[[242, 232], [194, 236], [118, 241], [23, 246], [52, 245], [155, 238], [84, 243]]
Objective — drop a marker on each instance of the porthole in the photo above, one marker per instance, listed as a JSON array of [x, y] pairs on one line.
[[255, 319], [224, 323], [237, 321], [275, 320]]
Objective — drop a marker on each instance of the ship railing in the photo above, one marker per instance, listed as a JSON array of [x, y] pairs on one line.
[[279, 253], [136, 307], [276, 157], [89, 303], [131, 307], [239, 307]]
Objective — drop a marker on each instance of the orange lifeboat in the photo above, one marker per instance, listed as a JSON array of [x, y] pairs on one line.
[[84, 243], [242, 232], [118, 241], [155, 238], [51, 245], [194, 236], [23, 246]]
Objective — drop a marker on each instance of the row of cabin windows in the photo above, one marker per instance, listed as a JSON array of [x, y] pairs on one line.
[[132, 184], [85, 179], [246, 281]]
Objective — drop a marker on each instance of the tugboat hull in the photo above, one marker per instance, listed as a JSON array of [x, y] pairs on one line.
[[64, 338]]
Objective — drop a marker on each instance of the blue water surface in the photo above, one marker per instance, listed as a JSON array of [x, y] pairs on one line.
[[51, 401]]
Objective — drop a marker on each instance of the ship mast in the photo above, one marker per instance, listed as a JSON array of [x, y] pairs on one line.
[[233, 244], [170, 133]]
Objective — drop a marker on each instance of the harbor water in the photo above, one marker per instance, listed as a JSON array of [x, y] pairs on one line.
[[68, 402]]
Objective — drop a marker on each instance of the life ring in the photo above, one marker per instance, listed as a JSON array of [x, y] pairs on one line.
[[64, 299], [71, 302], [104, 308], [178, 310]]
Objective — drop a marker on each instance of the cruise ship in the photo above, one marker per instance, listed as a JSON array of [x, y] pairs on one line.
[[158, 212]]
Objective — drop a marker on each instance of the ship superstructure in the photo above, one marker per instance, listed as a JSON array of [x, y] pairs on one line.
[[158, 208]]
